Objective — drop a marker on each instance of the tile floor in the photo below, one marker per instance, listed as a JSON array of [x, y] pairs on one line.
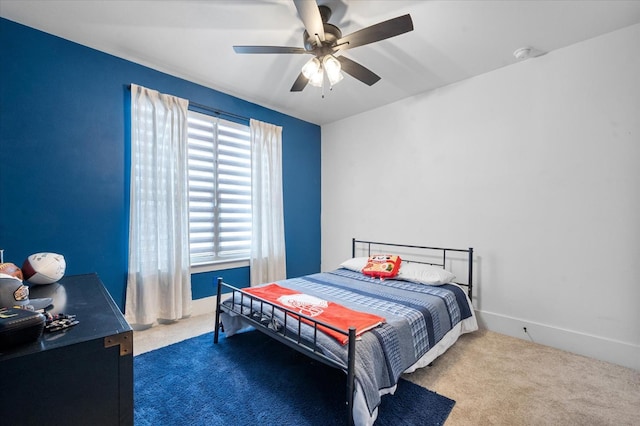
[[167, 334]]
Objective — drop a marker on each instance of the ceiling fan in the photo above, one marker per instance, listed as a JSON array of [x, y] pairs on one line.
[[323, 40]]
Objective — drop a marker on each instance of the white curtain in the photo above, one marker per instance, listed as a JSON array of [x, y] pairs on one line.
[[159, 280], [268, 261]]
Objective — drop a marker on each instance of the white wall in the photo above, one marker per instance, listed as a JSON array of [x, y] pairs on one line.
[[536, 166]]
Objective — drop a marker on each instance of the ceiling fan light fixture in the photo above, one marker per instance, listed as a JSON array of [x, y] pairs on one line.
[[317, 79], [312, 68], [335, 79], [332, 67], [331, 64]]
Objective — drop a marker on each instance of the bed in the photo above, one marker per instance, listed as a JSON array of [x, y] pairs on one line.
[[381, 328]]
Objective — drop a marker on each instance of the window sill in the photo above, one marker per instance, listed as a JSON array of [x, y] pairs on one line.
[[219, 266]]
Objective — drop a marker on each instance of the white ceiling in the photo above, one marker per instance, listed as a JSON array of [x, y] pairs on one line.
[[193, 39]]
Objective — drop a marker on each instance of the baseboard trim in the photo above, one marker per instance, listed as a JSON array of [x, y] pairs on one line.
[[614, 351]]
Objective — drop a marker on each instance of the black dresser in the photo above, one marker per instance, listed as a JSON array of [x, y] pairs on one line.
[[79, 376]]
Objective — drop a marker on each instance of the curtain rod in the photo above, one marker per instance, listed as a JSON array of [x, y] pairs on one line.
[[213, 110], [218, 111]]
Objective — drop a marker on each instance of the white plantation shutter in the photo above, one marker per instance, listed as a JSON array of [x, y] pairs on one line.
[[219, 190]]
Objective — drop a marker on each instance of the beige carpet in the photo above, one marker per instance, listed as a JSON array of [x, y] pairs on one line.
[[500, 380], [497, 380]]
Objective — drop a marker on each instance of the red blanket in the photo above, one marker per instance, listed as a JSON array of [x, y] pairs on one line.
[[328, 312]]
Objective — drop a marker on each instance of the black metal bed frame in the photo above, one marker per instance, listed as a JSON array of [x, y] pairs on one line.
[[266, 309]]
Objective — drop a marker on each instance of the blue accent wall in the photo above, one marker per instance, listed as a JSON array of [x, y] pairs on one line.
[[64, 158]]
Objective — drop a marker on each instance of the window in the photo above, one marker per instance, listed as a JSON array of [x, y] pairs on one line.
[[219, 190]]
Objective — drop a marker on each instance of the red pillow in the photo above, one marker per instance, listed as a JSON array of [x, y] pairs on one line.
[[382, 266]]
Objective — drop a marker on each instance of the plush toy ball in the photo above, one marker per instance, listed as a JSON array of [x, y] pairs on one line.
[[44, 268], [11, 269]]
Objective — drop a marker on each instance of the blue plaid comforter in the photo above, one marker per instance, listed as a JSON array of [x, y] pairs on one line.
[[417, 317]]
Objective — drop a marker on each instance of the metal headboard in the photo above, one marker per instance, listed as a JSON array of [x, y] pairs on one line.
[[469, 284]]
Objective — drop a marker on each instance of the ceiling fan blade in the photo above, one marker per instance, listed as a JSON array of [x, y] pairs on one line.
[[357, 71], [310, 15], [300, 83], [268, 49], [377, 32]]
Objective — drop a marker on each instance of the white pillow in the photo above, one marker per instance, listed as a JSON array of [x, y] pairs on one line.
[[409, 271], [355, 264], [424, 274]]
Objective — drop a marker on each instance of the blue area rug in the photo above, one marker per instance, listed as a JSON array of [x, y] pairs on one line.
[[250, 379]]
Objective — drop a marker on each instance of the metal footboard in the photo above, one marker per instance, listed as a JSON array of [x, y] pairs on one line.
[[259, 312]]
